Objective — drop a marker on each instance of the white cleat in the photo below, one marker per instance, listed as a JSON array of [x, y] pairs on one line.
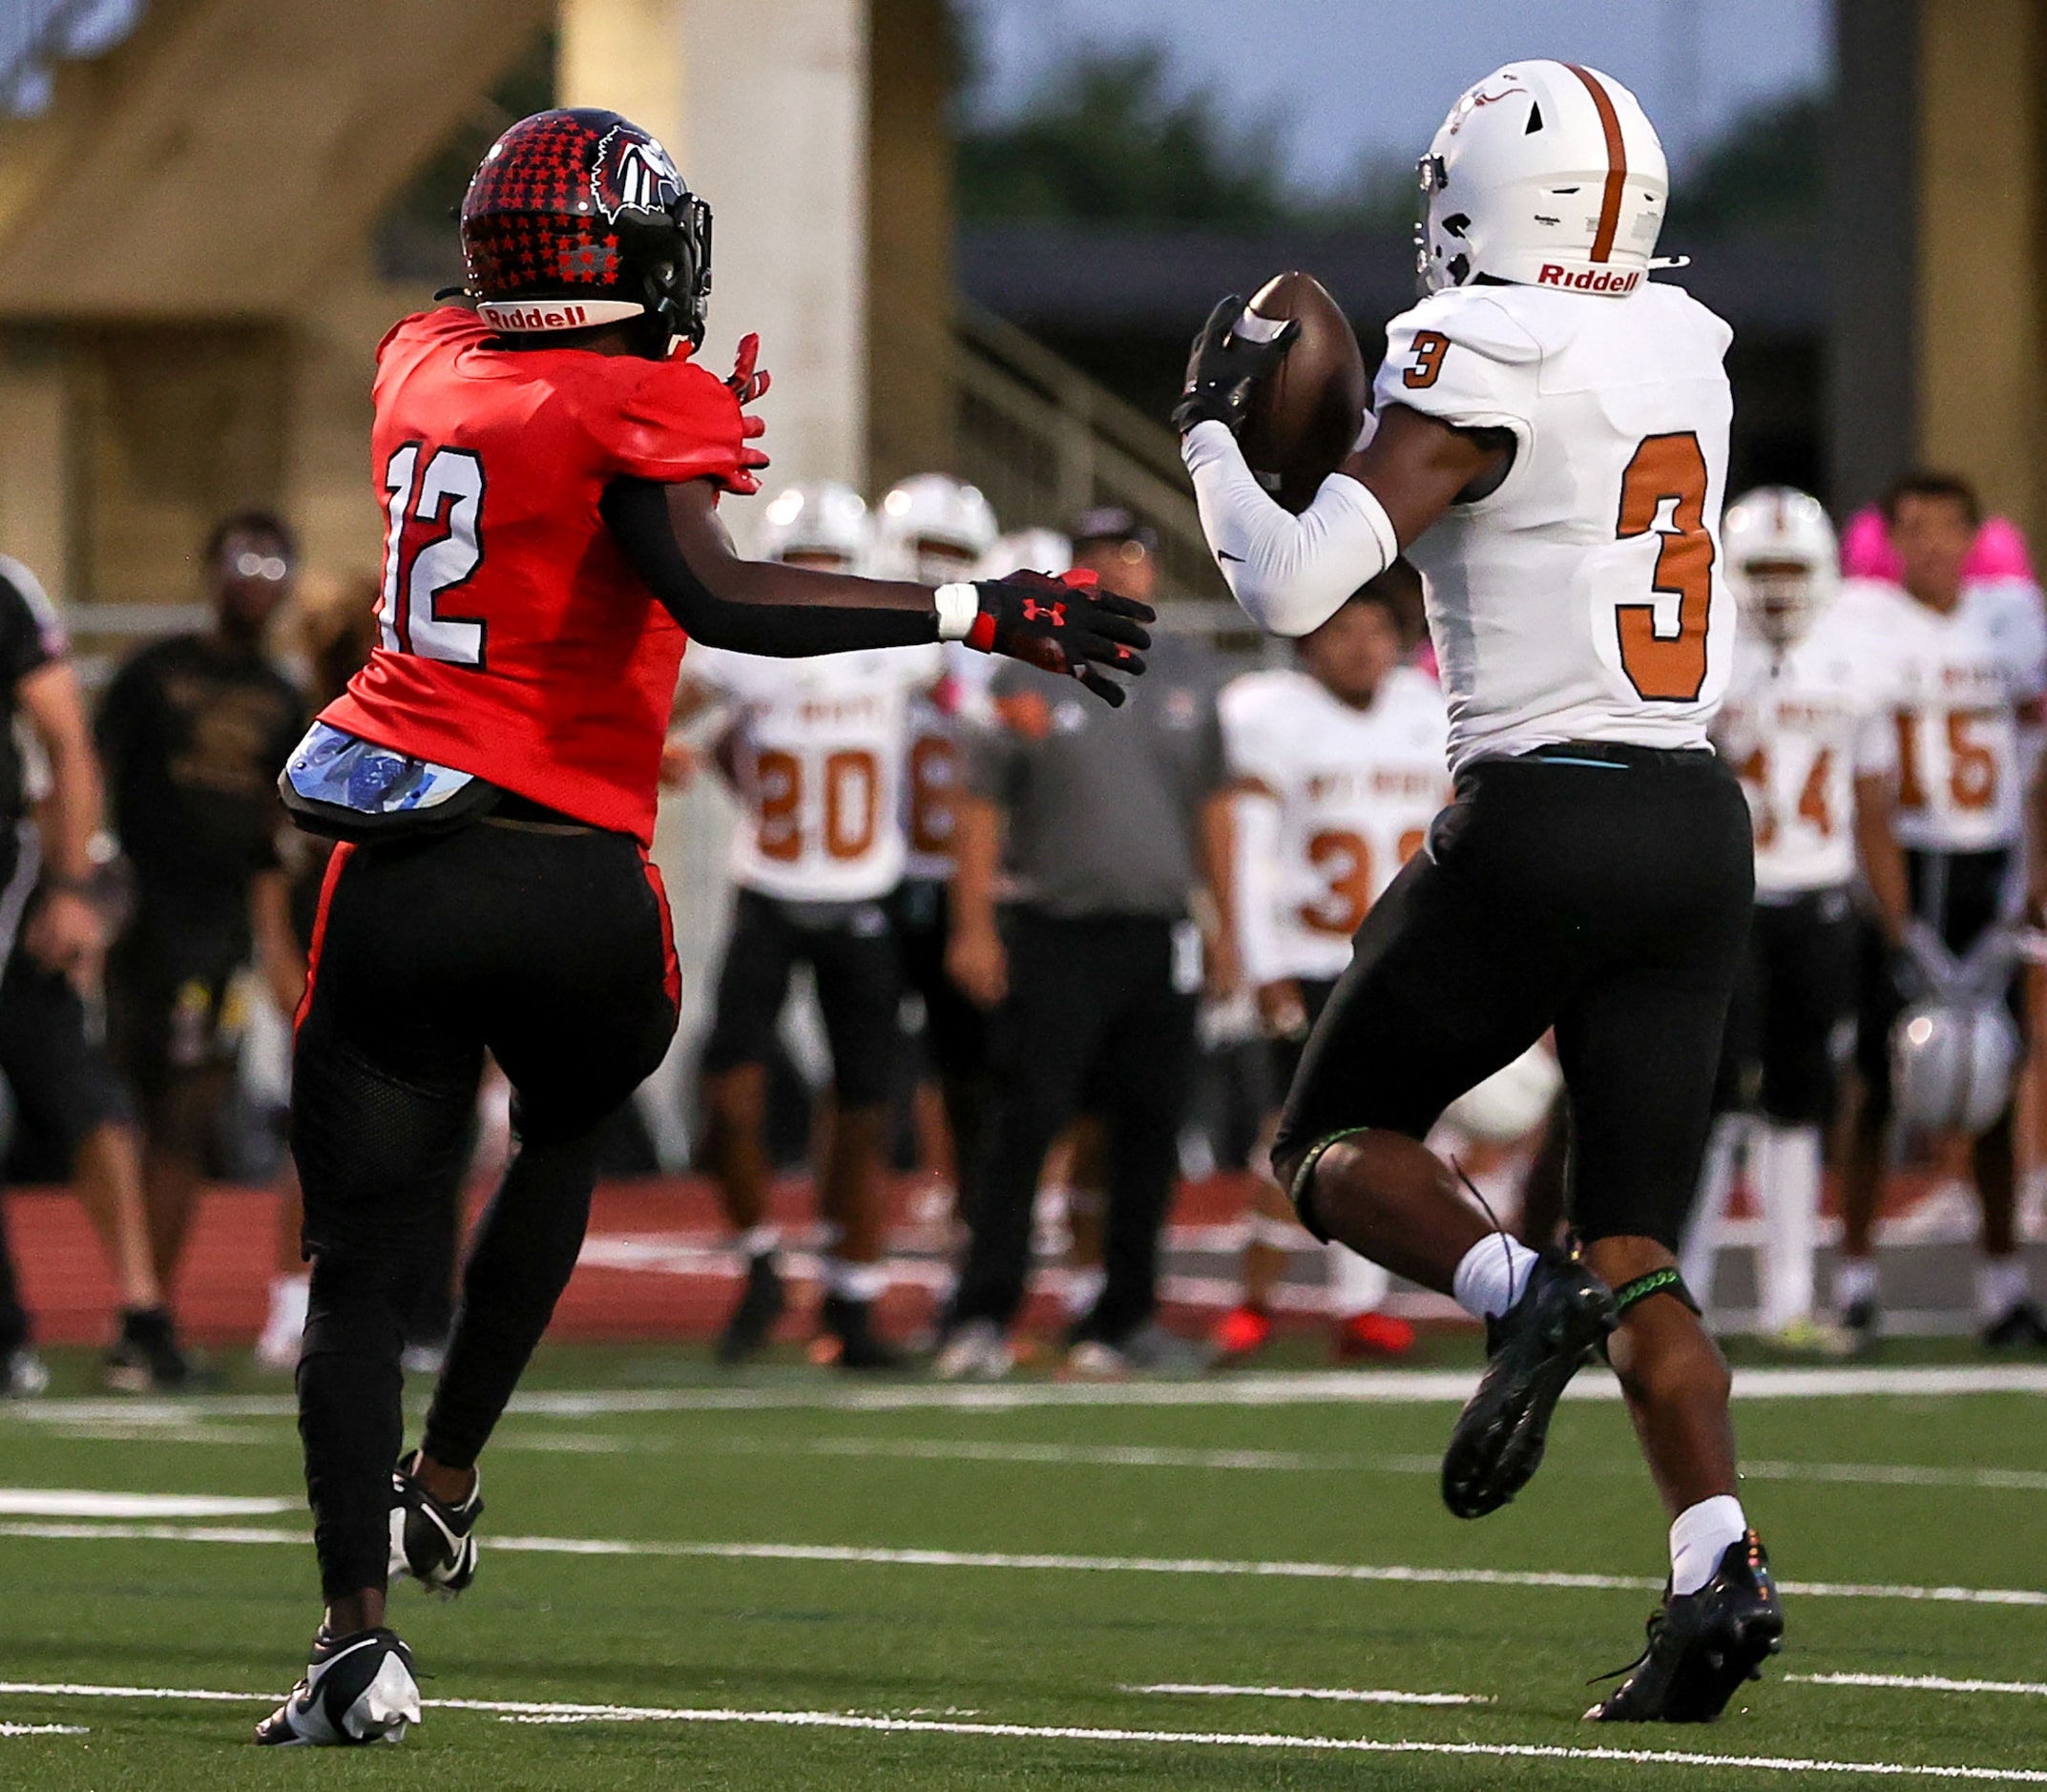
[[357, 1690], [978, 1351]]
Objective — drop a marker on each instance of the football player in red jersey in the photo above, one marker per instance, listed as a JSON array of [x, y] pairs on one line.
[[549, 457]]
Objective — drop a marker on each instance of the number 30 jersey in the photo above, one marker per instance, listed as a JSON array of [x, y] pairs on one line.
[[1580, 600], [1800, 726], [514, 643], [1333, 800], [821, 750], [1967, 684]]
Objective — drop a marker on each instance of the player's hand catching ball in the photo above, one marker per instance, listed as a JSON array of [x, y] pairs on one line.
[[746, 385], [1063, 625], [1224, 367]]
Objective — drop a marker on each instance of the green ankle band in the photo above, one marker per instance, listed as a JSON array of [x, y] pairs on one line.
[[1655, 1281]]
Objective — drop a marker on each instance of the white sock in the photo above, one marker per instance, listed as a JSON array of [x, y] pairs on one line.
[[289, 1296], [1491, 1275], [1854, 1280], [1716, 1184], [1356, 1283], [1700, 1538], [1084, 1283], [759, 1241], [1787, 1184], [2001, 1284], [862, 1282]]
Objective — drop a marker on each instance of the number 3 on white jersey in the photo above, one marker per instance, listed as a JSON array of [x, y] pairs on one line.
[[1668, 470], [420, 566]]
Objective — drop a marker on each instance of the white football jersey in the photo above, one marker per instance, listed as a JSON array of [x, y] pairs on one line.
[[1582, 600], [1964, 749], [932, 775], [820, 756], [1353, 790], [1800, 726]]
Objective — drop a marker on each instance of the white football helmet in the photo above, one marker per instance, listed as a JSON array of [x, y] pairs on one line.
[[1545, 174], [825, 519], [1782, 563], [1953, 1063], [933, 527], [1027, 549]]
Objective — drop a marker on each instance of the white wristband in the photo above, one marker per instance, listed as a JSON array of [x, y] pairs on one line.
[[958, 605]]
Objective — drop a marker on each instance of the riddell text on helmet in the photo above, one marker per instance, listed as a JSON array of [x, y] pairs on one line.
[[556, 314], [1589, 280]]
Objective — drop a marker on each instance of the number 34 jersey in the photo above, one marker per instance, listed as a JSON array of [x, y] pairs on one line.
[[1332, 801], [1969, 684], [515, 643], [1800, 726], [820, 755], [1579, 600]]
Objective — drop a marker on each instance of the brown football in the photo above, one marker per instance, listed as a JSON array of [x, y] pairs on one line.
[[1305, 419]]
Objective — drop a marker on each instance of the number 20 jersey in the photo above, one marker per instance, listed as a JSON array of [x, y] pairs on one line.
[[1581, 600], [1967, 684], [514, 643], [1349, 795]]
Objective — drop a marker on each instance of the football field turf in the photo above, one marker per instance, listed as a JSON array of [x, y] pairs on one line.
[[1250, 1582]]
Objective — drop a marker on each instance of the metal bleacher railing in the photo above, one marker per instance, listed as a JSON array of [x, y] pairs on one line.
[[35, 34]]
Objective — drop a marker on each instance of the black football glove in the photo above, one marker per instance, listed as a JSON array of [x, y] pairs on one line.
[[1222, 367], [1063, 625]]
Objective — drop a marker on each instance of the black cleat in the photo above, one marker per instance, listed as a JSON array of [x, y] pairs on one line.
[[1863, 1321], [357, 1689], [145, 1359], [2021, 1328], [852, 1324], [753, 1321], [1532, 1350], [1703, 1645], [434, 1542]]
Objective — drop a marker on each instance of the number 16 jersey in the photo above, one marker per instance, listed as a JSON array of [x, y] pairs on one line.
[[1580, 600]]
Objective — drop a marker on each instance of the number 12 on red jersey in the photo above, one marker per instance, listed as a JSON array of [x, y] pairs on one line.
[[431, 544]]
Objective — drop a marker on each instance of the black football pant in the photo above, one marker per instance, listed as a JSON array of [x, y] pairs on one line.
[[1093, 1015], [550, 947], [1601, 890], [1793, 1004]]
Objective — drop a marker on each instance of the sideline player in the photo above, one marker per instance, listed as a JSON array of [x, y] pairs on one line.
[[1338, 770], [1971, 658], [816, 752], [1807, 723], [551, 458], [1551, 448]]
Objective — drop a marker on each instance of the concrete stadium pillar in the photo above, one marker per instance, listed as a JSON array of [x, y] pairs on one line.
[[36, 462], [1981, 307]]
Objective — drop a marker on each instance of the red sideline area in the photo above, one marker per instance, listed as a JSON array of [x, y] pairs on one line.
[[221, 1294]]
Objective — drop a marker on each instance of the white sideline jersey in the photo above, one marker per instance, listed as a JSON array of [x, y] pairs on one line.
[[1350, 793], [1800, 726], [1968, 683], [1582, 600], [820, 757], [931, 778]]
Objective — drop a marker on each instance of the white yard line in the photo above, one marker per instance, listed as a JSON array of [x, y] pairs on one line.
[[1923, 1683], [538, 1712], [44, 1729], [861, 1555], [22, 1502], [1334, 1695]]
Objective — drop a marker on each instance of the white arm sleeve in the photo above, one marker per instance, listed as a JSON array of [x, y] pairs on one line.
[[1291, 573]]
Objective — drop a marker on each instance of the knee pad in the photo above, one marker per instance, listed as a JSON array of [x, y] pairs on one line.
[[373, 1153]]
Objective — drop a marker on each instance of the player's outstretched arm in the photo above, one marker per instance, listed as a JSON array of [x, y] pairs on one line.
[[675, 540]]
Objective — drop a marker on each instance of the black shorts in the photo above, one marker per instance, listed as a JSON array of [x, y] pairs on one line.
[[851, 950], [956, 1032], [176, 1014], [1283, 1056], [550, 947], [63, 1086], [1962, 895], [1790, 1026], [1601, 890]]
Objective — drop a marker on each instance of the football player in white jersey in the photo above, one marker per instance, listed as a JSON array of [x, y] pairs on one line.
[[1550, 450], [816, 753], [1337, 766], [1970, 659], [937, 525], [1808, 724]]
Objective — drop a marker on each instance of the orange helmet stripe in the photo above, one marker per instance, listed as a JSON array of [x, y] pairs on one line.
[[1617, 163]]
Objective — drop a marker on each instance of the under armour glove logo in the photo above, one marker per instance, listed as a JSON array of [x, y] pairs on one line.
[[1076, 633]]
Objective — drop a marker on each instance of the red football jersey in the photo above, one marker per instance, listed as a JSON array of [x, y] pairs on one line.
[[514, 643]]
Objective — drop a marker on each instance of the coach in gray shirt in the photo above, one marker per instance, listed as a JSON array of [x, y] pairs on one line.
[[1096, 826]]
